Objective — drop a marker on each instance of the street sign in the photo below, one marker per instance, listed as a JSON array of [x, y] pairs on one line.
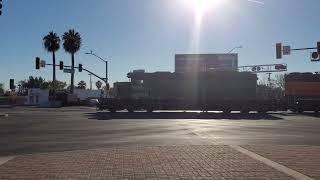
[[65, 70], [315, 56], [42, 63], [286, 50]]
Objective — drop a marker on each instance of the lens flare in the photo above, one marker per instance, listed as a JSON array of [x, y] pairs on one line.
[[200, 8]]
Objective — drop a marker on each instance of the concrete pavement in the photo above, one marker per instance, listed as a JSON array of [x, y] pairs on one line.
[[78, 143], [167, 162], [162, 162]]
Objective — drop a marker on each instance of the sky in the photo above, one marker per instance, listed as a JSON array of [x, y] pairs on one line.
[[146, 34]]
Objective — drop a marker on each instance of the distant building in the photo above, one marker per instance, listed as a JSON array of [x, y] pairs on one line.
[[205, 62], [36, 96], [84, 94]]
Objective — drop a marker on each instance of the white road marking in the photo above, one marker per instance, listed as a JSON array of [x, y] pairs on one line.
[[277, 166], [5, 159]]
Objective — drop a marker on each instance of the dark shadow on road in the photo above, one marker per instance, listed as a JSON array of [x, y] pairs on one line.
[[311, 114], [179, 115]]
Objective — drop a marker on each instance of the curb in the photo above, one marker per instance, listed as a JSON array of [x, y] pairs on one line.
[[4, 115]]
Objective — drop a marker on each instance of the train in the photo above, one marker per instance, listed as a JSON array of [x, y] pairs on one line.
[[224, 91], [302, 92]]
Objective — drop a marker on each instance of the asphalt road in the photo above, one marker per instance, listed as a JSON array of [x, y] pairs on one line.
[[31, 130]]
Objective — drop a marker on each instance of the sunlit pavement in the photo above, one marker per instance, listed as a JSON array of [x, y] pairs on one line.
[[78, 143], [167, 162]]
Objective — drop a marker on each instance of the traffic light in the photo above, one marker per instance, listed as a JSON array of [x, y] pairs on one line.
[[0, 7], [37, 63], [318, 47], [80, 67], [12, 86], [279, 50], [61, 65], [107, 86]]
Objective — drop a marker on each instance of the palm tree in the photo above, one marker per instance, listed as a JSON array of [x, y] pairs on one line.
[[51, 43], [71, 44]]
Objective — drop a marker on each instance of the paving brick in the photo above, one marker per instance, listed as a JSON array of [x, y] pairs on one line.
[[161, 162], [304, 159]]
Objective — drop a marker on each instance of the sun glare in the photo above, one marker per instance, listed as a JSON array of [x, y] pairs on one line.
[[200, 7]]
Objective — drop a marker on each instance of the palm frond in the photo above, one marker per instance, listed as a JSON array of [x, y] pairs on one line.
[[71, 41], [51, 42]]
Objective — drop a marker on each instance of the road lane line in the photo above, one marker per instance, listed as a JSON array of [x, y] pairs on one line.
[[275, 165], [5, 159]]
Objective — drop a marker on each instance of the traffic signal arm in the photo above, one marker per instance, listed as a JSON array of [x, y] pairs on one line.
[[60, 65]]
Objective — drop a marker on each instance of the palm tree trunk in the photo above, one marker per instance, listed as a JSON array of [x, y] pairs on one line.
[[72, 73], [54, 74], [54, 66]]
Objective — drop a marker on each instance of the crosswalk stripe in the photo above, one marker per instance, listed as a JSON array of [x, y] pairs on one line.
[[5, 159], [275, 165]]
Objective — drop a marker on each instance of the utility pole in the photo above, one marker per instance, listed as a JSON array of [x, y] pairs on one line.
[[105, 61], [269, 85], [90, 81], [237, 47], [269, 79]]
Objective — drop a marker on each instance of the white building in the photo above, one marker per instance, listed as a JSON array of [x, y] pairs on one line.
[[84, 94], [38, 97], [185, 63]]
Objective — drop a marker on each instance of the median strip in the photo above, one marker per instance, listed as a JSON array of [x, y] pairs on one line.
[[275, 165]]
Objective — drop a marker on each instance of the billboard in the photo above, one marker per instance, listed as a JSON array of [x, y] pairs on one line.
[[205, 62]]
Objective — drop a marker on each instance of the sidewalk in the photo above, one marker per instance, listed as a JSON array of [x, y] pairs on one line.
[[163, 162]]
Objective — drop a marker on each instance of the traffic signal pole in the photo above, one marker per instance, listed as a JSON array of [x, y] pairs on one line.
[[302, 49], [105, 61], [285, 50], [103, 79]]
